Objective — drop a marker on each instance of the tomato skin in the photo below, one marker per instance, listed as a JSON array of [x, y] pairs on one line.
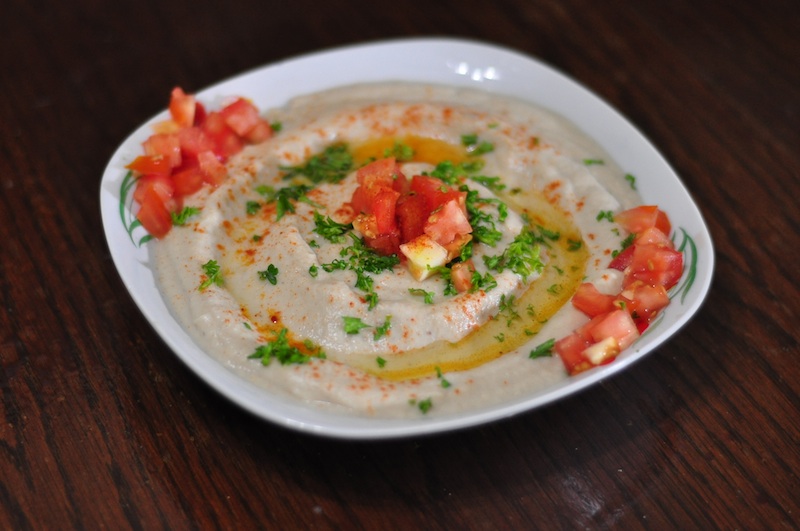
[[241, 116], [193, 141], [166, 145], [225, 140], [150, 165], [643, 217], [570, 349], [161, 185], [153, 215], [412, 214], [182, 107], [214, 172], [187, 181], [436, 193], [589, 300], [461, 275], [617, 324], [655, 266], [447, 222]]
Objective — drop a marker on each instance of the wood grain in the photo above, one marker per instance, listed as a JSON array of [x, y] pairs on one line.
[[102, 426]]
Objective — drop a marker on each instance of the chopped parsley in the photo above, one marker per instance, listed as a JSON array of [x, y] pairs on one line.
[[329, 229], [492, 183], [180, 218], [400, 151], [330, 166], [270, 274], [476, 146], [574, 245], [522, 256], [353, 325], [252, 208], [283, 197], [213, 276], [627, 242], [593, 162], [631, 180], [605, 214], [276, 126], [280, 349], [543, 350], [424, 405], [427, 295], [383, 329], [441, 377], [381, 362]]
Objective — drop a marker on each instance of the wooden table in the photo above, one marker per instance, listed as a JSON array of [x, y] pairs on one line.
[[102, 426]]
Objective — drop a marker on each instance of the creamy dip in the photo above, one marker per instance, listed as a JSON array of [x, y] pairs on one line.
[[449, 353]]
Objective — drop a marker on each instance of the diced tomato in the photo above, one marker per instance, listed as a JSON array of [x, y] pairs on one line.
[[182, 107], [436, 193], [653, 236], [199, 114], [385, 244], [161, 184], [447, 222], [150, 165], [655, 266], [193, 141], [187, 181], [383, 208], [153, 215], [379, 173], [643, 217], [241, 116], [261, 132], [412, 214], [570, 349], [590, 301], [461, 275], [642, 301], [622, 260], [214, 172], [226, 142], [164, 145], [617, 324]]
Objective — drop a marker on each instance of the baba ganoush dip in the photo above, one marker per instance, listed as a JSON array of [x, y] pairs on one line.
[[380, 341]]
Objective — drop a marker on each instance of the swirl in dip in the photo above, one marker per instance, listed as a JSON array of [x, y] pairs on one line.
[[415, 341]]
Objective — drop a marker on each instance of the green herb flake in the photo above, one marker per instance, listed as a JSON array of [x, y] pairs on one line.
[[329, 229], [353, 325], [381, 362], [400, 151], [383, 329], [270, 274], [213, 276], [419, 292], [593, 162], [280, 349], [631, 180], [425, 405], [330, 166], [608, 215], [441, 377], [574, 245], [543, 350], [276, 126], [180, 218], [252, 208]]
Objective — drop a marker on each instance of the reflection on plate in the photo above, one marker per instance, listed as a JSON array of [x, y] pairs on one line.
[[441, 61]]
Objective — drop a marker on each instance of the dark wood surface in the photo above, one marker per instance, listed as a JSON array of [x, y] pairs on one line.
[[102, 426]]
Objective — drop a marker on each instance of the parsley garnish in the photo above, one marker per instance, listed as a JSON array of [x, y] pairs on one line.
[[382, 330], [425, 405], [631, 180], [252, 208], [441, 377], [180, 218], [330, 166], [522, 256], [211, 269], [280, 349], [353, 325], [330, 230], [543, 350], [475, 146], [605, 214], [492, 183], [574, 245], [627, 242], [400, 151], [270, 274], [591, 162], [283, 198], [427, 295], [381, 362]]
